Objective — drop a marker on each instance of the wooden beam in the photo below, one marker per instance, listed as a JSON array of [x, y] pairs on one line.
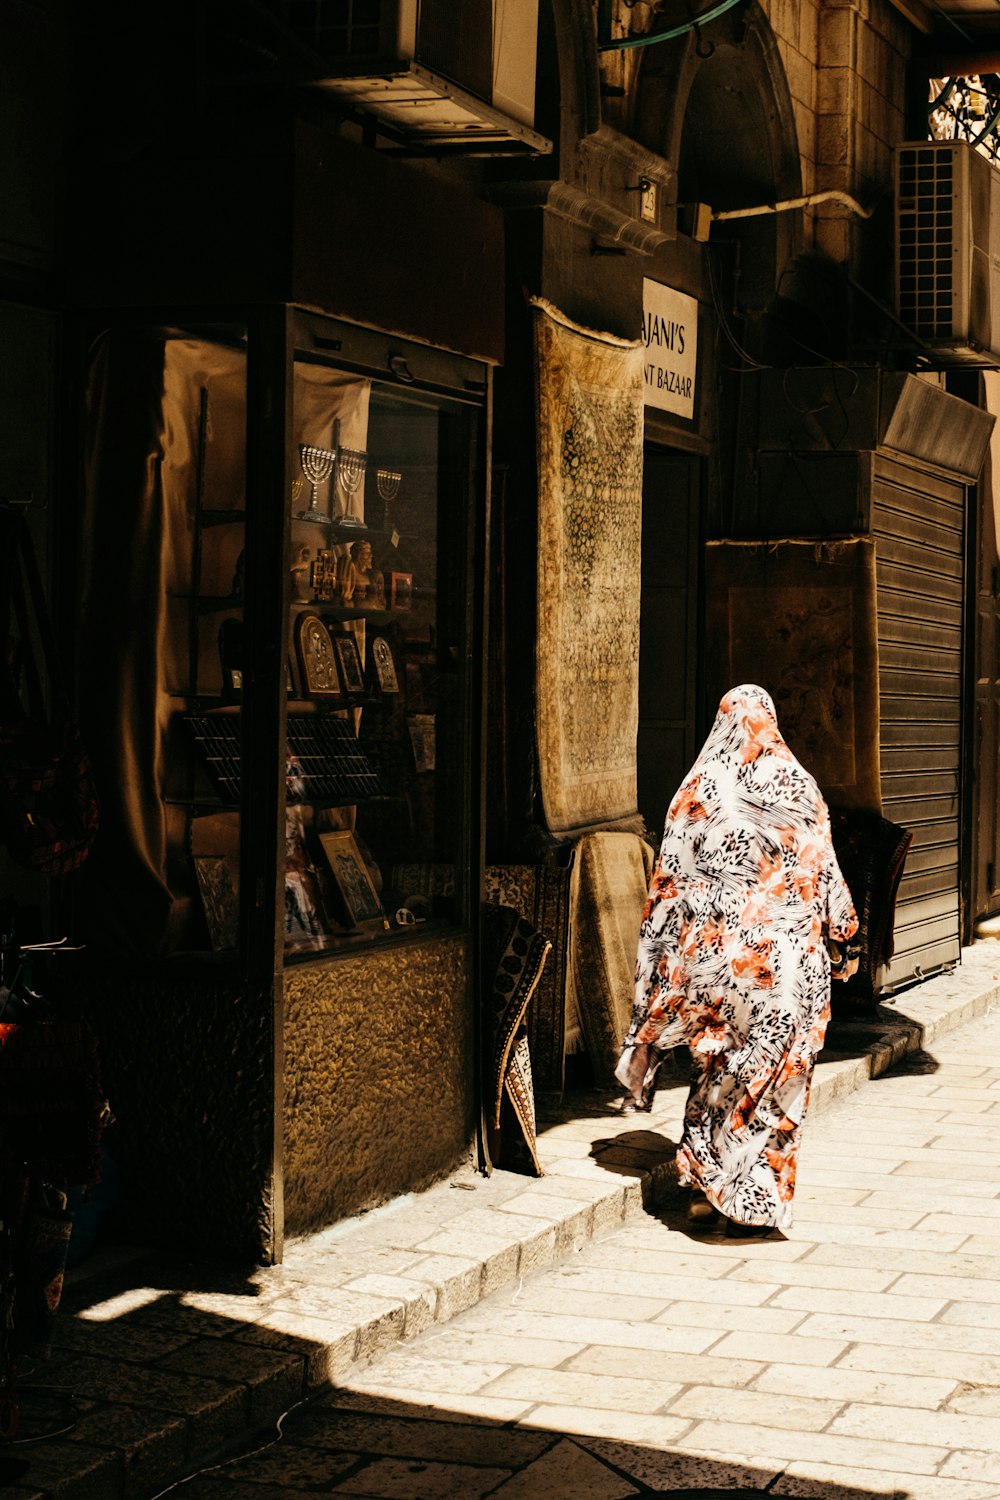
[[917, 13]]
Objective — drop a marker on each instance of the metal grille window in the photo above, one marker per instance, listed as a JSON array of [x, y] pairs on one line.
[[925, 241]]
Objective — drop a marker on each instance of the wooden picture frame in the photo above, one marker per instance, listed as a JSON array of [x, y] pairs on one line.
[[422, 728], [401, 591], [219, 901], [352, 878], [383, 665], [349, 661], [317, 658]]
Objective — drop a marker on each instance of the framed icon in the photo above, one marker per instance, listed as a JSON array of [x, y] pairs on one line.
[[383, 666], [400, 590], [317, 659], [349, 661], [352, 878], [218, 899], [422, 738]]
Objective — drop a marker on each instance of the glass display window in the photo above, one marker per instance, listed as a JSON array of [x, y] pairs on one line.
[[376, 790], [279, 700]]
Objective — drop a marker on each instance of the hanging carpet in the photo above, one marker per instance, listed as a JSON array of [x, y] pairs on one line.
[[513, 958], [541, 895], [613, 871], [799, 618], [590, 433]]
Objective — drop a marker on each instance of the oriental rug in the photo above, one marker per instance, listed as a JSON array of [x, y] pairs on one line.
[[799, 618], [613, 872], [590, 431], [513, 959], [541, 895], [871, 853]]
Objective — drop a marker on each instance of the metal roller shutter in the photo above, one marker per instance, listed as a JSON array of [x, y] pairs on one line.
[[918, 521]]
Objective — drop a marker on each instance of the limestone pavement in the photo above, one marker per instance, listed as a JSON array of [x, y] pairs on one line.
[[571, 1337]]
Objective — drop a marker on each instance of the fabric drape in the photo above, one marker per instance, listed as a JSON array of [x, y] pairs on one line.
[[732, 958]]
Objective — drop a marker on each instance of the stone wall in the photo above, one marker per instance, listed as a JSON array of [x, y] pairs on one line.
[[379, 1078], [846, 66]]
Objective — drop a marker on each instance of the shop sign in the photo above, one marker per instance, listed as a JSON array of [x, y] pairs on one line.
[[670, 348]]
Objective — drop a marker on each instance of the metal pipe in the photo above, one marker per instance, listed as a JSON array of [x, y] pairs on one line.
[[830, 195]]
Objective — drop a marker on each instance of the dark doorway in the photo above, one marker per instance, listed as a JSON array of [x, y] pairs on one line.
[[668, 629], [985, 757]]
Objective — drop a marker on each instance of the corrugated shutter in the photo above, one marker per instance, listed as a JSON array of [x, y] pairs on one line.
[[918, 520]]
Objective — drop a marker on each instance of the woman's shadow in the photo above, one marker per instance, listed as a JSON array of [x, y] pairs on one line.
[[647, 1153]]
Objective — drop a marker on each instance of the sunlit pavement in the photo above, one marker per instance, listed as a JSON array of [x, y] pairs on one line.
[[570, 1337], [859, 1357]]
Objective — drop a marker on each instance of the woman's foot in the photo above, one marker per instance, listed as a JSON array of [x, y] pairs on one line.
[[699, 1210], [633, 1106]]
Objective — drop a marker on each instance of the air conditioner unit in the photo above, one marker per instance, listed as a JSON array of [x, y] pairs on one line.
[[451, 78], [948, 250]]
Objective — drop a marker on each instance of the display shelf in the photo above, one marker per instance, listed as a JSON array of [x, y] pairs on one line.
[[201, 807], [198, 701], [335, 771], [221, 517], [347, 611], [207, 604]]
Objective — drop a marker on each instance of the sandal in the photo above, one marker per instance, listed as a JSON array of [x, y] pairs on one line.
[[632, 1106], [699, 1210]]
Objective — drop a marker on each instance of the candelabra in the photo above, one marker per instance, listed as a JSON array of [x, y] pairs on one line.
[[317, 466], [387, 482]]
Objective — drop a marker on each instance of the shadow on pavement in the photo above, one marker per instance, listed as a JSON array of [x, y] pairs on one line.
[[175, 1397]]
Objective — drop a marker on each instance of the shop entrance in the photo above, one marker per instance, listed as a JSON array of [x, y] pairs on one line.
[[984, 864], [668, 629]]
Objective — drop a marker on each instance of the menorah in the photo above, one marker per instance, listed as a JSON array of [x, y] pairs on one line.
[[351, 465], [387, 482], [317, 466]]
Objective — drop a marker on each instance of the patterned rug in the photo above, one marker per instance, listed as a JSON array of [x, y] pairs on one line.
[[799, 619], [612, 880], [590, 429], [541, 894], [871, 853], [514, 956]]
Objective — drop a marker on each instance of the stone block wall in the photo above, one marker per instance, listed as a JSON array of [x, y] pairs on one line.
[[379, 1077], [845, 64], [845, 61]]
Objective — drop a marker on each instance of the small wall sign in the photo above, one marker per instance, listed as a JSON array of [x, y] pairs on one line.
[[670, 345]]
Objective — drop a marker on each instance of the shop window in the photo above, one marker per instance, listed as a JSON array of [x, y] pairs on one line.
[[371, 760], [375, 632]]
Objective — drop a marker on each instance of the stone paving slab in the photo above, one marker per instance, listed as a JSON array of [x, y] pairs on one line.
[[171, 1362]]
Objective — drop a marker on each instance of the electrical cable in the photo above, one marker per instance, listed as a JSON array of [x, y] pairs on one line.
[[749, 360], [674, 31], [238, 1457]]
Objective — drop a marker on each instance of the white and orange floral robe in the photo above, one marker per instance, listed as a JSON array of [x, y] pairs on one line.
[[732, 959]]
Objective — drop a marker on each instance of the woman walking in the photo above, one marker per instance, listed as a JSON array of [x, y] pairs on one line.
[[734, 961]]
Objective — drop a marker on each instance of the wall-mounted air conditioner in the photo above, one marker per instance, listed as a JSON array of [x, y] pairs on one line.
[[948, 250], [448, 77]]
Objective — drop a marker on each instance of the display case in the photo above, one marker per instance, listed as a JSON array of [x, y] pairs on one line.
[[282, 510], [379, 510]]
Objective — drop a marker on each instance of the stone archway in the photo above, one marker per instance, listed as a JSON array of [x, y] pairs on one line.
[[725, 121]]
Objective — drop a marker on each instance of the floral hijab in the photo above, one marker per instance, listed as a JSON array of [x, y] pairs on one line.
[[746, 884]]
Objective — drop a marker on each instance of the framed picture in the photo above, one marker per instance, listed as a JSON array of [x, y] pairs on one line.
[[422, 738], [349, 660], [383, 666], [317, 660], [219, 900], [351, 877], [400, 590]]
